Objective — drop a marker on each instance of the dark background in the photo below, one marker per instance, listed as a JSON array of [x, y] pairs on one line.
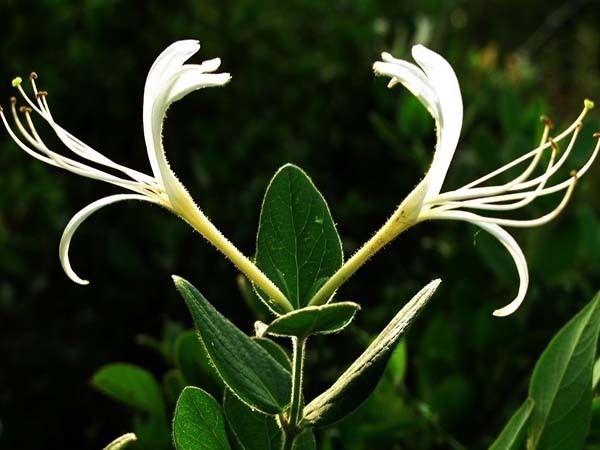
[[302, 91]]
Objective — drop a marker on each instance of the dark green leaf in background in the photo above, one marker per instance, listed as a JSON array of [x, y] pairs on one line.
[[310, 320], [358, 381], [251, 430], [298, 246], [131, 385], [245, 366], [198, 423], [193, 361], [561, 385], [513, 435]]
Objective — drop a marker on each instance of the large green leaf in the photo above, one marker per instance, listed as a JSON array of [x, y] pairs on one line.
[[512, 436], [310, 320], [255, 431], [297, 246], [276, 351], [131, 385], [358, 381], [561, 384], [198, 423], [244, 365]]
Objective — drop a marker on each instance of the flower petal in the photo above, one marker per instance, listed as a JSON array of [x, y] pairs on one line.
[[513, 248], [167, 64], [79, 218], [444, 81], [190, 78], [413, 79]]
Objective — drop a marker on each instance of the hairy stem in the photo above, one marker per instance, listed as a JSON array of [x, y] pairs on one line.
[[292, 428]]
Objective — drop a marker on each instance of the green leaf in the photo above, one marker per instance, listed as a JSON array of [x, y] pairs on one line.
[[198, 422], [358, 381], [251, 430], [173, 384], [561, 384], [310, 320], [245, 367], [305, 441], [276, 351], [512, 436], [193, 361], [131, 385], [593, 438], [297, 246], [255, 431], [121, 442], [153, 432]]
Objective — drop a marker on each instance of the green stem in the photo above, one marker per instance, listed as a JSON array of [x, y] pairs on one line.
[[405, 216], [295, 407], [288, 442]]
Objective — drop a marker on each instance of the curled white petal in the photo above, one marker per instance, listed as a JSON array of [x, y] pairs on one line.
[[189, 79], [413, 79], [513, 249], [79, 218], [443, 79]]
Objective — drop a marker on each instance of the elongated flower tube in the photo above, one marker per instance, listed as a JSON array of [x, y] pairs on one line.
[[434, 83], [168, 80]]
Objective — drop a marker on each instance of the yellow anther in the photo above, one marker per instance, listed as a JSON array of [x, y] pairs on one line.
[[547, 122], [33, 76], [16, 82], [588, 104], [25, 109]]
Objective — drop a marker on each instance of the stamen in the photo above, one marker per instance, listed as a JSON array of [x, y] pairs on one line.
[[25, 109], [547, 122], [16, 82], [33, 76], [41, 94]]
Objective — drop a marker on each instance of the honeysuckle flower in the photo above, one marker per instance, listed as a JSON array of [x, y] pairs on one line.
[[434, 83], [168, 80]]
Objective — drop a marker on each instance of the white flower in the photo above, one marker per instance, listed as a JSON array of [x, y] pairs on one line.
[[434, 83], [168, 80]]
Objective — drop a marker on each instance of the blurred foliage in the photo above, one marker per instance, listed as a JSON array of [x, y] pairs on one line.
[[302, 92]]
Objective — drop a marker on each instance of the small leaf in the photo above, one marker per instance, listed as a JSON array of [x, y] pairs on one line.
[[358, 381], [131, 385], [198, 422], [297, 246], [173, 384], [245, 367], [121, 442], [512, 436], [310, 320], [561, 384]]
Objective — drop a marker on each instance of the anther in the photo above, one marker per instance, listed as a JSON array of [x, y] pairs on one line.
[[33, 76], [588, 104], [41, 94], [16, 82], [579, 126], [13, 100], [25, 109], [546, 121], [1, 108], [574, 174], [553, 144], [597, 134]]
